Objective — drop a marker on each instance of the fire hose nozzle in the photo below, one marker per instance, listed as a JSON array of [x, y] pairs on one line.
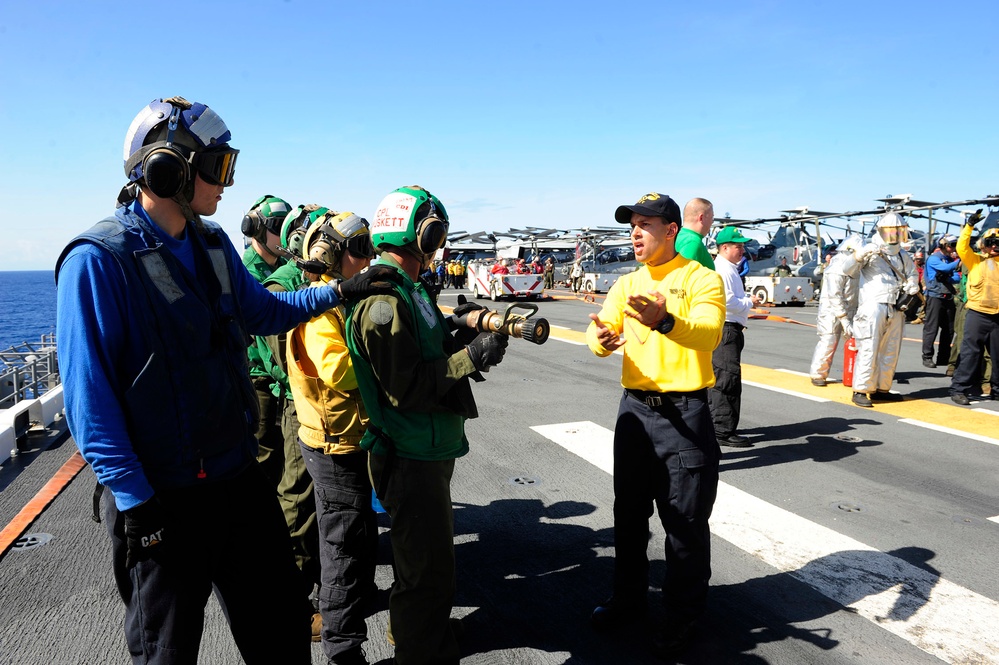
[[510, 324]]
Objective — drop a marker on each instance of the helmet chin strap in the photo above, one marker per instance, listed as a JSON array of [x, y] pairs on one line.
[[183, 199], [424, 259]]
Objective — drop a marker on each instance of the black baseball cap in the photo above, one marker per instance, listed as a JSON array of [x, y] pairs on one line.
[[652, 204]]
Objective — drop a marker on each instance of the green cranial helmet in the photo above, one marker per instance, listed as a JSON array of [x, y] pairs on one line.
[[296, 223], [410, 216], [271, 211]]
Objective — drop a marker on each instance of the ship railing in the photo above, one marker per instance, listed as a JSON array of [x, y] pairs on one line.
[[31, 397], [28, 370]]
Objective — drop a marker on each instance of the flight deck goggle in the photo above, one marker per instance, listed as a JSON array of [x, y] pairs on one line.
[[216, 166], [360, 247], [352, 232]]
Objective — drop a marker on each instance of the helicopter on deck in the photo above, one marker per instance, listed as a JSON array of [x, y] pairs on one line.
[[791, 240], [806, 249]]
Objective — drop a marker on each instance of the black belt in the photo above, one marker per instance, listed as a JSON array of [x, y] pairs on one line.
[[652, 398], [733, 323]]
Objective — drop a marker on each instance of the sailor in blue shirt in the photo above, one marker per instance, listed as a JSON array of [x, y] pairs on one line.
[[154, 312], [941, 277]]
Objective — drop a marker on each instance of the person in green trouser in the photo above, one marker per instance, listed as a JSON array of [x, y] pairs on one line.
[[261, 226], [960, 312], [413, 375], [294, 486]]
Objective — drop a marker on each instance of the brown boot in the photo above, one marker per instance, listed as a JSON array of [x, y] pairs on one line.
[[317, 627]]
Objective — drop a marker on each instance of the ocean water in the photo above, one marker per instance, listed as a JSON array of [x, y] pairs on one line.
[[27, 306]]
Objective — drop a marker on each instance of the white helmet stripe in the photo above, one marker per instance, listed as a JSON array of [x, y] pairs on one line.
[[147, 117], [207, 127]]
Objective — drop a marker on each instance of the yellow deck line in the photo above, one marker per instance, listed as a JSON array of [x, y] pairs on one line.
[[961, 419], [953, 416]]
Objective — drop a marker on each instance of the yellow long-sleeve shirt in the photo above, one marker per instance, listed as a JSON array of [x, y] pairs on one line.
[[679, 361], [983, 275]]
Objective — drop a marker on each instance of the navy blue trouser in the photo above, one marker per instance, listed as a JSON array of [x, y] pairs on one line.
[[228, 536], [981, 333], [939, 317], [668, 455], [348, 542], [726, 394]]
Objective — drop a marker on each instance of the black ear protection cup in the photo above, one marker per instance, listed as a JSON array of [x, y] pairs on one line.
[[431, 234], [165, 168], [431, 231], [165, 171], [252, 226]]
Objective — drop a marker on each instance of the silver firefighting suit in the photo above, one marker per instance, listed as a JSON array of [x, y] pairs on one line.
[[837, 308], [886, 270]]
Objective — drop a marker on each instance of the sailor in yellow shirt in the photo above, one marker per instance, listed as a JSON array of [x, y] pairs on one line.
[[981, 325], [668, 318], [333, 420]]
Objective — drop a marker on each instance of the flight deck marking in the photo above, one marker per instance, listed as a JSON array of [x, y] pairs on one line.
[[41, 500], [950, 430], [937, 616], [567, 341], [969, 421], [993, 519], [791, 371], [784, 391], [914, 411]]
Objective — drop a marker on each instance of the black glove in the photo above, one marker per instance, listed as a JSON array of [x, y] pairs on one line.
[[144, 531], [463, 334], [370, 281], [464, 307], [974, 218], [487, 350]]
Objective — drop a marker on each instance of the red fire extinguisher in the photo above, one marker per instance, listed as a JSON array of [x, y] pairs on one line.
[[849, 357]]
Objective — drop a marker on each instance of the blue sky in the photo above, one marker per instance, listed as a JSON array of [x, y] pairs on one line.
[[518, 113]]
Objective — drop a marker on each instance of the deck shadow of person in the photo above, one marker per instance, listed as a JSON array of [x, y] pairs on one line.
[[787, 606], [937, 392], [819, 445], [533, 575]]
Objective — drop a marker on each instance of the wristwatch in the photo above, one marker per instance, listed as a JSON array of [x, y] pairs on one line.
[[666, 325]]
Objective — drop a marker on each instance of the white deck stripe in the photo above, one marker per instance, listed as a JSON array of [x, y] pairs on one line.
[[949, 430], [989, 411], [783, 391], [937, 616], [994, 519], [568, 341]]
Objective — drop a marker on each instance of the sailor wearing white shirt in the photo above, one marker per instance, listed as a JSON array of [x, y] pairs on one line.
[[725, 397]]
